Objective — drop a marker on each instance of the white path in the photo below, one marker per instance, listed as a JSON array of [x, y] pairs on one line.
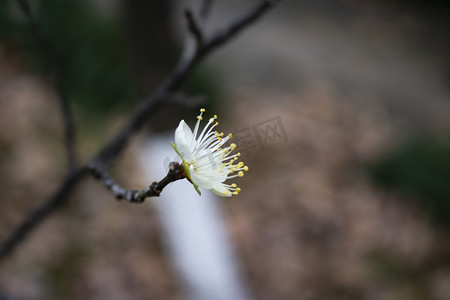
[[196, 235]]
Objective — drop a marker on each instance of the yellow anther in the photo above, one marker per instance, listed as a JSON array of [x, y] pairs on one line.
[[240, 173], [200, 118], [226, 151], [221, 134], [235, 193], [215, 116], [217, 123], [211, 120], [245, 168], [230, 135], [216, 133], [240, 164], [234, 185], [238, 154], [233, 146], [202, 110], [219, 138], [238, 190]]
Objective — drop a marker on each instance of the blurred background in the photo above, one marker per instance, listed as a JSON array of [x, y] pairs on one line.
[[340, 108]]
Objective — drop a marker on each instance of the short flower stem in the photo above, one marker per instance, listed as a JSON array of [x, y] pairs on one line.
[[176, 172]]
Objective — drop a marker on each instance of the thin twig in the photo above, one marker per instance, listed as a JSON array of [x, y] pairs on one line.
[[176, 172], [194, 27], [56, 74], [237, 26], [118, 142]]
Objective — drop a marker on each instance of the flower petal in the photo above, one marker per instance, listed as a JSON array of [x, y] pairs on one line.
[[220, 190], [183, 140], [200, 180]]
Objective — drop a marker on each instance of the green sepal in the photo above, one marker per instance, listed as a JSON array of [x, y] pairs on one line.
[[196, 188], [186, 168]]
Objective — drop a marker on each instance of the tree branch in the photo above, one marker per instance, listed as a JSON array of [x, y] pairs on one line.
[[238, 25], [118, 142], [176, 172], [56, 75], [194, 27]]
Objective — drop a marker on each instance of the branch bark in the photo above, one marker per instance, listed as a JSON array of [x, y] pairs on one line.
[[100, 161], [176, 172]]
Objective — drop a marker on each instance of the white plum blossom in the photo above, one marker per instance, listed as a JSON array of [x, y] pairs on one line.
[[207, 162]]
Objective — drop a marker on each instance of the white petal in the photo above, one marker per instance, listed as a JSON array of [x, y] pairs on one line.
[[183, 140], [200, 180], [220, 190]]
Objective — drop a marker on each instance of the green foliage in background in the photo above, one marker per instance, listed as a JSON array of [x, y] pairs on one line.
[[420, 167], [89, 48]]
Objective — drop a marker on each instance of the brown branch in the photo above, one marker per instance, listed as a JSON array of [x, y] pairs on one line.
[[176, 172], [56, 75], [118, 142]]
